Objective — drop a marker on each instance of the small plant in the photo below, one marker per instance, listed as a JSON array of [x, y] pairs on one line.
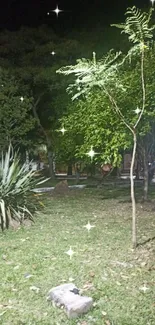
[[16, 182]]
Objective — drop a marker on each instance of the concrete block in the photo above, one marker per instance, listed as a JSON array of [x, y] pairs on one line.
[[74, 304]]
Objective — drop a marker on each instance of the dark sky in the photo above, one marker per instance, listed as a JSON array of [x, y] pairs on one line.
[[15, 13]]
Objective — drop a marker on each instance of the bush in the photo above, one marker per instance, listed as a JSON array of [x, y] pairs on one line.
[[16, 182]]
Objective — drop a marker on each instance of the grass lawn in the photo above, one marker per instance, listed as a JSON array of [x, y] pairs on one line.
[[104, 265]]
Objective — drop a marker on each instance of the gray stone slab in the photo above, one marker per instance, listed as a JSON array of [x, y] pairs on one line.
[[49, 189], [74, 304]]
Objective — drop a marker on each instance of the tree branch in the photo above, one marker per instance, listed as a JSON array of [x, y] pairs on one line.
[[37, 116], [143, 88], [118, 111]]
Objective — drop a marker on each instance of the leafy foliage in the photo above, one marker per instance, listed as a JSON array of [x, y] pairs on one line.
[[137, 25], [108, 74], [26, 54], [111, 83], [16, 182], [16, 120], [104, 73], [92, 123], [92, 73]]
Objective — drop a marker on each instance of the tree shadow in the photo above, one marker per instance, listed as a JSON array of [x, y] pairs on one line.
[[146, 241]]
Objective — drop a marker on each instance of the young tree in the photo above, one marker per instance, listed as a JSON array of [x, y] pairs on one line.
[[105, 75]]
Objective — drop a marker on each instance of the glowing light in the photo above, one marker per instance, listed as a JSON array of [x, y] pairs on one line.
[[144, 288], [57, 11], [22, 99], [53, 53], [48, 13], [152, 1], [91, 153], [63, 130], [70, 252], [89, 226], [137, 110]]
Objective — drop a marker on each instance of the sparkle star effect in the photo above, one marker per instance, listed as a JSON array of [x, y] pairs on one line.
[[78, 81], [22, 99], [89, 226], [152, 1], [91, 153], [57, 11], [137, 110], [144, 288], [63, 130], [53, 53], [70, 252]]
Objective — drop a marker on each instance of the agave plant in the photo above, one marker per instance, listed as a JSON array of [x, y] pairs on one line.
[[16, 183]]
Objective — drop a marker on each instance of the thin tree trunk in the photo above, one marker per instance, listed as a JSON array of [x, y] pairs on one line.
[[69, 169], [50, 161], [137, 165], [133, 130], [50, 157], [48, 140], [146, 177], [134, 230]]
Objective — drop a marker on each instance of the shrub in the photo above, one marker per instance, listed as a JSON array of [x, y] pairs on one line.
[[16, 182]]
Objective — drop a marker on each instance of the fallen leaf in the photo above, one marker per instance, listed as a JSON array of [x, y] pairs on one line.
[[107, 322], [124, 276], [92, 274], [4, 257], [6, 306], [103, 313], [34, 288], [71, 279], [42, 204], [1, 314], [9, 262], [27, 275], [16, 267], [45, 314], [3, 305], [143, 264], [88, 286]]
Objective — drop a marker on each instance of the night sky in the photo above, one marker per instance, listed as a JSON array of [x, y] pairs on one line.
[[76, 13]]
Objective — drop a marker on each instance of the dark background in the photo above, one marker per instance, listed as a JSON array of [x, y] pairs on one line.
[[76, 14]]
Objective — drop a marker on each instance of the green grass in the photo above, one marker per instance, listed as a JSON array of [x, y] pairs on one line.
[[95, 267]]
